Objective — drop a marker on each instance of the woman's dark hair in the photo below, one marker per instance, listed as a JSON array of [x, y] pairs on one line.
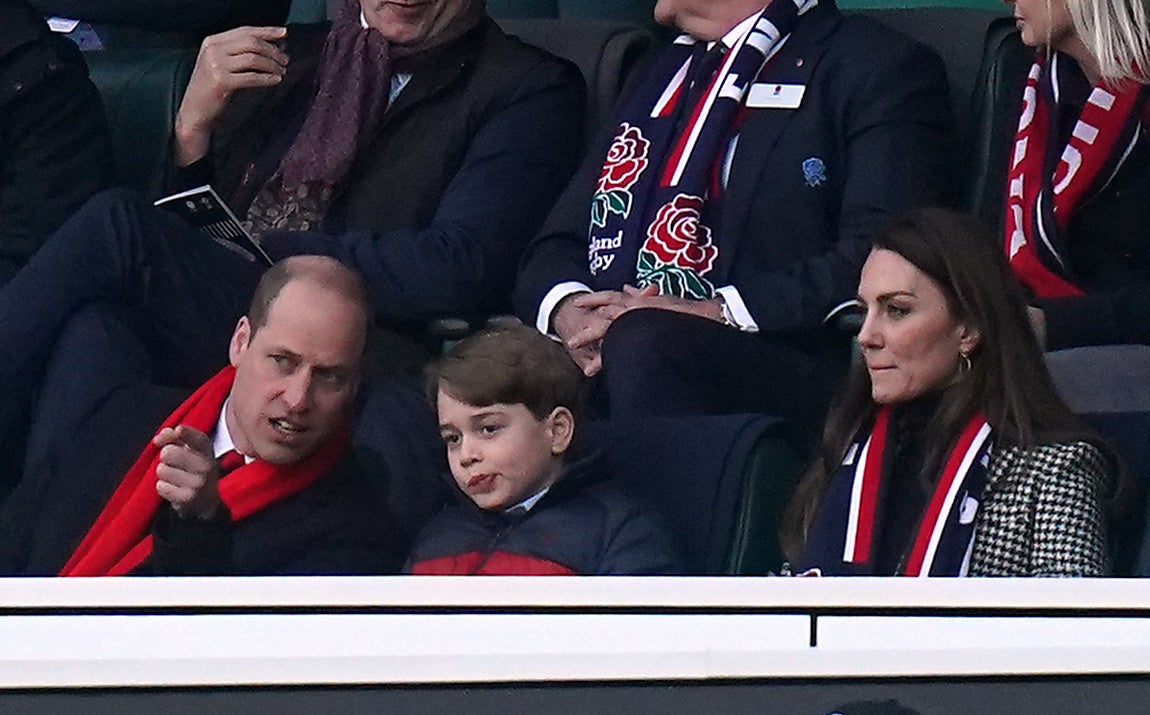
[[1007, 381]]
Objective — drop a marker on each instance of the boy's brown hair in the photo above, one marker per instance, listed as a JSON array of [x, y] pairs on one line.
[[509, 364]]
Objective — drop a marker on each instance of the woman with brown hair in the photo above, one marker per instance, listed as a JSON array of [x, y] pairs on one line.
[[949, 453]]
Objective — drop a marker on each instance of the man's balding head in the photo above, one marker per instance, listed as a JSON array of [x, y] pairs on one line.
[[298, 356], [323, 271]]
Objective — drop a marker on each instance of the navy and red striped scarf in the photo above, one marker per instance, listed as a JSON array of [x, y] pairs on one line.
[[649, 219], [844, 535]]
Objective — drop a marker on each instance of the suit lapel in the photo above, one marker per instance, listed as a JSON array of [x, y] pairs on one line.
[[794, 64], [425, 83], [434, 73]]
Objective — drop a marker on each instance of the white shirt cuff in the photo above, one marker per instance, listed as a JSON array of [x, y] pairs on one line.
[[739, 312], [556, 294]]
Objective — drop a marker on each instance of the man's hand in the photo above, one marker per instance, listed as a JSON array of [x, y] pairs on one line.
[[237, 59], [581, 321], [188, 475], [649, 297]]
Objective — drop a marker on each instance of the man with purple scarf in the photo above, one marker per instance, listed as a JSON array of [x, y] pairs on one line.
[[704, 249], [416, 142]]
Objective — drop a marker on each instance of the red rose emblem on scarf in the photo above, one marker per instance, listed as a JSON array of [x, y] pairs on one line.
[[626, 160], [678, 238]]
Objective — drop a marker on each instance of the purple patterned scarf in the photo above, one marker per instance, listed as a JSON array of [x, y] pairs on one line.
[[352, 89]]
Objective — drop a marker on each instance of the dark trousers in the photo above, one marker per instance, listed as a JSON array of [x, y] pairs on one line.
[[176, 293], [658, 362]]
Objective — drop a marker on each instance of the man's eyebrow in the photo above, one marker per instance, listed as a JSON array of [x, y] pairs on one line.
[[287, 352]]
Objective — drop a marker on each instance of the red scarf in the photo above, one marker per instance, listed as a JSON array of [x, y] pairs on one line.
[[1039, 203], [120, 540]]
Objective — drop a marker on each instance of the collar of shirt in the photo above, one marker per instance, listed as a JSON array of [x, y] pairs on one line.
[[222, 438], [399, 80], [527, 504], [736, 32]]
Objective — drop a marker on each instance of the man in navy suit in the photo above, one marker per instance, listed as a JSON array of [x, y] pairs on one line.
[[436, 168], [700, 256]]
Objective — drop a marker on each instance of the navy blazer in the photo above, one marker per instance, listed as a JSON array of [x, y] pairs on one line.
[[875, 112], [459, 176]]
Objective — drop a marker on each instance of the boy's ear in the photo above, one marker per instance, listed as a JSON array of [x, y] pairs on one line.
[[562, 429]]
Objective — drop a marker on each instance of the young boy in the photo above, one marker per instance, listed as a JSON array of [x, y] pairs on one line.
[[508, 401]]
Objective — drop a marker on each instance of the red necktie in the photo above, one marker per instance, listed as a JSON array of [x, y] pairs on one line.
[[229, 461]]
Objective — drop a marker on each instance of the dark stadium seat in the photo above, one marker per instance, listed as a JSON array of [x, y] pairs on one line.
[[998, 86], [501, 9], [141, 90], [902, 4], [1129, 433], [305, 11], [721, 481], [638, 12], [956, 34], [605, 52]]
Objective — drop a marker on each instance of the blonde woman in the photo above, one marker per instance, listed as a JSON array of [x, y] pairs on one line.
[[1077, 224]]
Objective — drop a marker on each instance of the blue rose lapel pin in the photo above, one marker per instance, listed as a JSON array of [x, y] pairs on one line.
[[814, 171]]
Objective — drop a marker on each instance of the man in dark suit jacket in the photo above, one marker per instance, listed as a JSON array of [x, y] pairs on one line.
[[249, 475], [54, 142], [729, 304], [471, 137]]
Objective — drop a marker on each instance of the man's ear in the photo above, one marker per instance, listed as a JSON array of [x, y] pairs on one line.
[[562, 429], [240, 339]]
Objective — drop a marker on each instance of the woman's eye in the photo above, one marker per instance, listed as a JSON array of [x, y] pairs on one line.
[[450, 439], [897, 311], [490, 429]]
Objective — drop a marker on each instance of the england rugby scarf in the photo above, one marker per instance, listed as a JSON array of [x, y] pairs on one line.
[[1047, 183], [844, 536], [119, 541], [649, 219]]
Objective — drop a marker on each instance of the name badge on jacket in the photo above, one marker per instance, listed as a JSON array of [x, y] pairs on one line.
[[769, 95]]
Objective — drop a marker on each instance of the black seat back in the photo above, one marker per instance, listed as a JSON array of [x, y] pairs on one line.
[[141, 91], [605, 51], [956, 34], [994, 118], [721, 481]]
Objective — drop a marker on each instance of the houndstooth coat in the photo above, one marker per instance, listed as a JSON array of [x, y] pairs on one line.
[[1042, 513]]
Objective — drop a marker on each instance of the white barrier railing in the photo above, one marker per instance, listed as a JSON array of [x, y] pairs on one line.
[[62, 633]]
